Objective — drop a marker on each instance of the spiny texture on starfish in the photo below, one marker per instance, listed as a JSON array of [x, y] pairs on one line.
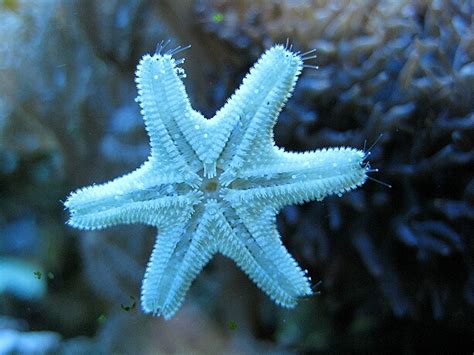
[[216, 186]]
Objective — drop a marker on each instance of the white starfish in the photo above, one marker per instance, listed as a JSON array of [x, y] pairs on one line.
[[216, 185]]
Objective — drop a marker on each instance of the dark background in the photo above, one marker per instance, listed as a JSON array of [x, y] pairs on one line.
[[396, 263]]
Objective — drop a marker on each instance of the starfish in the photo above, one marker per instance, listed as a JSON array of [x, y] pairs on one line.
[[216, 185]]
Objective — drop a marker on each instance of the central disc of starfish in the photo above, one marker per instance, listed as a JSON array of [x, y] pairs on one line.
[[210, 187], [216, 186]]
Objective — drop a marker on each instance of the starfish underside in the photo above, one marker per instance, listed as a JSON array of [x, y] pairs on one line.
[[216, 185]]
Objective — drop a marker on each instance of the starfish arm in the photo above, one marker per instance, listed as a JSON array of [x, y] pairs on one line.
[[255, 107], [294, 178], [258, 251], [175, 263], [134, 198], [167, 112]]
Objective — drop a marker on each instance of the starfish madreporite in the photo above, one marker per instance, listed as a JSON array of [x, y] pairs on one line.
[[216, 185]]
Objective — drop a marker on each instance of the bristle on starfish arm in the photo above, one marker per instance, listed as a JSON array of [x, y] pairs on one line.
[[166, 282], [257, 104], [167, 112], [295, 178], [176, 261], [125, 200], [257, 249]]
